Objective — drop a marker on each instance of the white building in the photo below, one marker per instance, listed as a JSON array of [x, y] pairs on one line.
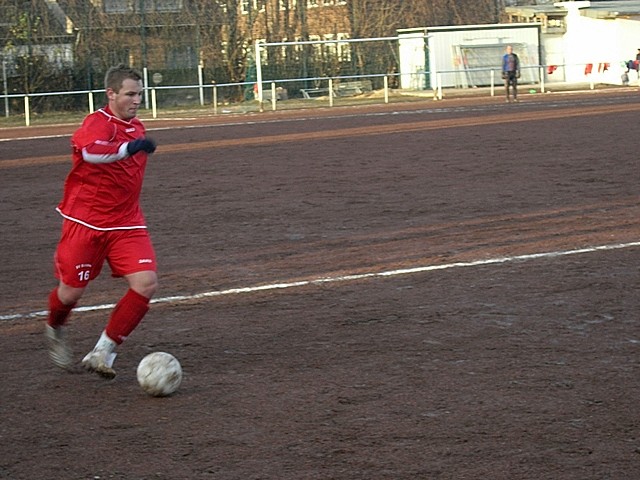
[[585, 40], [568, 42]]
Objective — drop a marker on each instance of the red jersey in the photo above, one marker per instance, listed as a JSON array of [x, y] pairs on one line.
[[102, 191]]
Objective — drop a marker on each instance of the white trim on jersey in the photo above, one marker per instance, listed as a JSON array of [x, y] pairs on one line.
[[101, 229], [106, 158]]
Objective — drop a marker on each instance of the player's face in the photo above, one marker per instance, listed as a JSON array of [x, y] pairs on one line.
[[125, 103]]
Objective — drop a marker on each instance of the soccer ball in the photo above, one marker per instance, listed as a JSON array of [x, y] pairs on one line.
[[159, 374]]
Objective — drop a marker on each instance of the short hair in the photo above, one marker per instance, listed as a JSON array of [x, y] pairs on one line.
[[118, 74]]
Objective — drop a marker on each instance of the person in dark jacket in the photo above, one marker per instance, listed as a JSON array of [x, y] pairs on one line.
[[511, 72]]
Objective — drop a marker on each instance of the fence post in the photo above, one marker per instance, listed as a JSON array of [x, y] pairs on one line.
[[273, 96], [386, 89], [6, 90], [493, 83], [153, 102], [215, 98], [541, 79], [90, 101], [331, 92], [258, 61], [200, 89], [27, 116], [433, 82], [145, 73]]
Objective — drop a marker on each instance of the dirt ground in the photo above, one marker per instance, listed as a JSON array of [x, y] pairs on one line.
[[436, 290]]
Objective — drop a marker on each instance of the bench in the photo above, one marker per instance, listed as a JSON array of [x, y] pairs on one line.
[[309, 93], [281, 94], [341, 89], [349, 89]]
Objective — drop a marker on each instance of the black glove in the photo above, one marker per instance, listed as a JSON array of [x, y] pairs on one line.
[[144, 144]]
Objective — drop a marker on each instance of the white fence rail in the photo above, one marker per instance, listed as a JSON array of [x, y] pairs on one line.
[[321, 91]]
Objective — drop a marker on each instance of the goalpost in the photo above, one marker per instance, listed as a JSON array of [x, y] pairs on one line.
[[333, 58]]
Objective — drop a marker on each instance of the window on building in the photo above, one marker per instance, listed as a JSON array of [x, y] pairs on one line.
[[247, 6], [330, 48], [127, 6], [168, 5], [264, 55], [117, 56], [8, 15], [317, 47], [182, 57], [117, 6], [555, 22], [344, 48], [298, 48]]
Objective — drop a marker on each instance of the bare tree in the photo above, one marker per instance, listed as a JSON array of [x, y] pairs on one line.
[[35, 50], [450, 12], [177, 36]]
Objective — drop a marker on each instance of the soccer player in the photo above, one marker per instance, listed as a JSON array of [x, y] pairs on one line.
[[102, 221]]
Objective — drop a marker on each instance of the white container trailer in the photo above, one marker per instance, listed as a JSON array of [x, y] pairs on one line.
[[465, 56]]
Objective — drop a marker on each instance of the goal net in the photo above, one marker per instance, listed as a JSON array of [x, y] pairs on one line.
[[308, 65]]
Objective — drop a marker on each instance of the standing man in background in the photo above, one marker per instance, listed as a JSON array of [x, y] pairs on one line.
[[103, 221], [511, 72]]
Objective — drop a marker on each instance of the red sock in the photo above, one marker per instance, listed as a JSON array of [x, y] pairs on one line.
[[58, 311], [126, 316]]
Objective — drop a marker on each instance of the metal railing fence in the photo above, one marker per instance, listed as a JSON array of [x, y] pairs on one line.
[[279, 94]]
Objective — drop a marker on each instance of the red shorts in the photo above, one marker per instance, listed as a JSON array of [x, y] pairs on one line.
[[82, 251]]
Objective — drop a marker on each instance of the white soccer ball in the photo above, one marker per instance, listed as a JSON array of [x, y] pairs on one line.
[[159, 374]]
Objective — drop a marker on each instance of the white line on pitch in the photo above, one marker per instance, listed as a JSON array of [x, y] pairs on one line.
[[346, 278]]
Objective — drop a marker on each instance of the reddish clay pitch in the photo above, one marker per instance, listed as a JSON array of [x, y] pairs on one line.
[[488, 363]]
